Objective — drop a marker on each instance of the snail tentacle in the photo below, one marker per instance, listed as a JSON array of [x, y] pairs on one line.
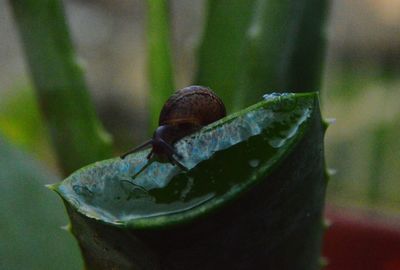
[[135, 149]]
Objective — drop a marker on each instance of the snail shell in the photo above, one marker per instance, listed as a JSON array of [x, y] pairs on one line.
[[185, 112], [195, 105]]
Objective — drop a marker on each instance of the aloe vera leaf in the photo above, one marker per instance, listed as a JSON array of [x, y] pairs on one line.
[[30, 218], [220, 55], [285, 48], [251, 46], [252, 197], [64, 100], [160, 62]]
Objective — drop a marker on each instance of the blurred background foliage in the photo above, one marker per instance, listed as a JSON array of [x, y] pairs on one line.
[[361, 85]]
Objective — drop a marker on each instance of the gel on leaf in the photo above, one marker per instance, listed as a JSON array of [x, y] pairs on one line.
[[113, 204]]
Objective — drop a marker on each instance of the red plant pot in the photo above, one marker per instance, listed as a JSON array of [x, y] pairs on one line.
[[360, 240]]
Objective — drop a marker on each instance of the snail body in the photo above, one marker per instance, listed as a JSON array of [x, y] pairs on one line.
[[185, 112]]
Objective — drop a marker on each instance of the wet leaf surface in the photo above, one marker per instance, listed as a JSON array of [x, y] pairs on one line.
[[223, 159]]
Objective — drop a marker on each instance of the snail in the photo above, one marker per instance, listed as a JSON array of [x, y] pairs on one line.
[[185, 112]]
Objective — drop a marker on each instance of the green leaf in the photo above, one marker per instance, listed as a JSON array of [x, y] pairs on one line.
[[30, 218], [163, 194], [284, 49], [253, 194], [61, 89], [21, 124], [160, 63], [220, 55], [249, 46]]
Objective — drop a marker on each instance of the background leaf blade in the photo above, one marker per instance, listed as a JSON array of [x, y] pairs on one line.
[[31, 218], [160, 63], [220, 55], [285, 48], [61, 89]]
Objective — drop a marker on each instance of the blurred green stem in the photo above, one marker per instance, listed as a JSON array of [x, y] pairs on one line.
[[253, 47], [378, 153], [285, 49], [220, 54], [64, 100], [160, 64]]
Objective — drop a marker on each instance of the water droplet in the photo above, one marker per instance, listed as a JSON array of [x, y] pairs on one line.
[[277, 142], [330, 121], [133, 191], [284, 101], [270, 96], [75, 202], [82, 190], [331, 171], [187, 188], [137, 193], [254, 163]]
